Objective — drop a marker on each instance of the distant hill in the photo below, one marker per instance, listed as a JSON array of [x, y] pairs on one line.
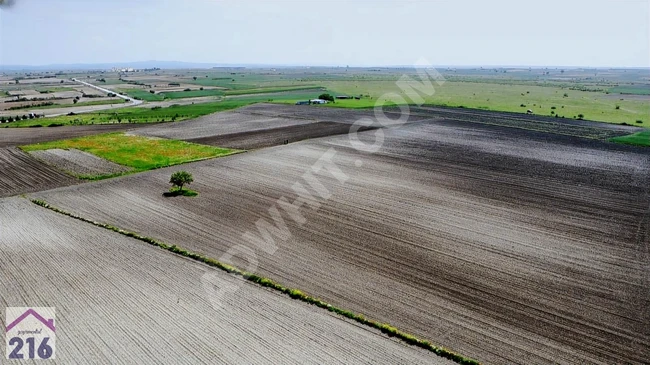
[[105, 66]]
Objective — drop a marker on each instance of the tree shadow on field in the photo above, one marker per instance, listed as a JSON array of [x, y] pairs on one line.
[[176, 192]]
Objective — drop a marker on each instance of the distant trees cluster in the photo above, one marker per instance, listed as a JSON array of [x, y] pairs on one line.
[[17, 118], [327, 97]]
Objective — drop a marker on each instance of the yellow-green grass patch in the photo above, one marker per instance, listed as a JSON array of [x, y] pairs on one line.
[[138, 152]]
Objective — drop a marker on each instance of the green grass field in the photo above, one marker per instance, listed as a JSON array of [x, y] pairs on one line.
[[147, 96], [268, 90], [631, 89], [501, 96], [87, 103], [540, 99], [346, 103], [143, 95], [137, 152], [636, 139], [191, 94]]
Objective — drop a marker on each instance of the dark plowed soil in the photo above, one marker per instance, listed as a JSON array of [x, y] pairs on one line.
[[22, 136], [265, 125], [102, 283], [21, 173], [504, 244], [320, 113], [276, 136], [563, 126]]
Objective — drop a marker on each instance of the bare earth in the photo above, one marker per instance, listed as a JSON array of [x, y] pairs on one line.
[[79, 162], [21, 173], [263, 125], [506, 245], [119, 300], [218, 124]]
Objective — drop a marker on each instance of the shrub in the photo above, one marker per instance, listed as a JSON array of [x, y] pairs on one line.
[[639, 121], [566, 95], [523, 105], [581, 116], [152, 91], [553, 108], [618, 107]]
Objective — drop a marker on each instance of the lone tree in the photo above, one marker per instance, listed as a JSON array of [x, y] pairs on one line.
[[180, 178]]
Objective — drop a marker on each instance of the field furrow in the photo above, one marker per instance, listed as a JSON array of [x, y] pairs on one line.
[[505, 245], [21, 173], [119, 300]]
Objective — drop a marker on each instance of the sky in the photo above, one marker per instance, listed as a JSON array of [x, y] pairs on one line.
[[581, 33]]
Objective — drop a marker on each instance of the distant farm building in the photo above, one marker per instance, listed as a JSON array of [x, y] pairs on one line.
[[343, 97], [529, 111], [318, 101], [305, 102]]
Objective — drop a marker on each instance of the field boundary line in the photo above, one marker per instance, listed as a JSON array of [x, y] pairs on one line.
[[268, 283]]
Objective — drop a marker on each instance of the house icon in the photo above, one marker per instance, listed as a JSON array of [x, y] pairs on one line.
[[49, 323]]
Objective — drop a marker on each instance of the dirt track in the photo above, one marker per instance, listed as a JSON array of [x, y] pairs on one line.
[[506, 245], [119, 300], [21, 173]]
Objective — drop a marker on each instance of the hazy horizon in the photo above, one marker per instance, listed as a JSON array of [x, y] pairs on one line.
[[504, 33]]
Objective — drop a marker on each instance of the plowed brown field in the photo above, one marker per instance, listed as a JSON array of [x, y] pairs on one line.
[[21, 173], [119, 300], [265, 125], [506, 245]]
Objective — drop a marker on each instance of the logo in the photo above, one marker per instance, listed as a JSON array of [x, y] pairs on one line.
[[30, 333]]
